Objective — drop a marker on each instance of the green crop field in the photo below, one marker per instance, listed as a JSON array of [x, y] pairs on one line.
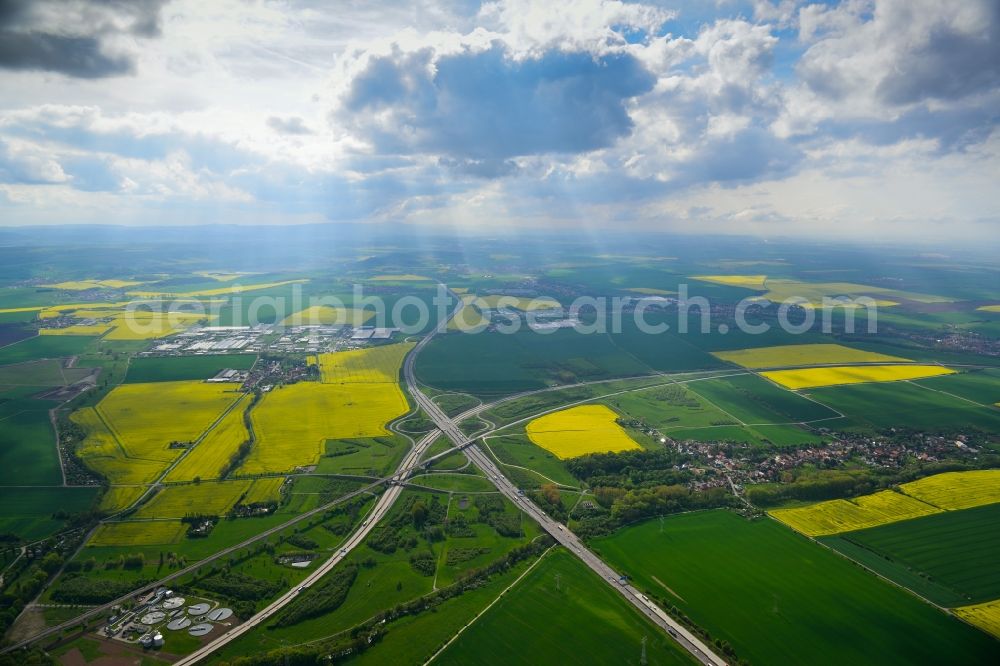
[[40, 374], [754, 400], [28, 511], [904, 404], [665, 352], [412, 639], [980, 386], [734, 339], [520, 362], [955, 550], [900, 346], [669, 407], [561, 613], [175, 368], [27, 443], [44, 346], [779, 435], [684, 411], [777, 597]]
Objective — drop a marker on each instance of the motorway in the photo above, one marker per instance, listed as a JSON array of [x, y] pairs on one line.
[[570, 541]]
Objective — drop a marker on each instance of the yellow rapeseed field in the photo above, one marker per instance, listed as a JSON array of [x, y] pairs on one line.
[[101, 452], [78, 329], [469, 318], [745, 281], [89, 314], [292, 423], [779, 290], [523, 304], [858, 374], [650, 291], [33, 308], [580, 430], [265, 490], [80, 285], [400, 278], [82, 310], [316, 315], [221, 276], [989, 308], [120, 497], [986, 616], [809, 354], [371, 365], [141, 325], [208, 459], [957, 490], [220, 291], [139, 533], [145, 418], [838, 516], [213, 498]]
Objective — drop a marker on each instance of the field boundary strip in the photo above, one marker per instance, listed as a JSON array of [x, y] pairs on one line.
[[738, 420], [491, 604]]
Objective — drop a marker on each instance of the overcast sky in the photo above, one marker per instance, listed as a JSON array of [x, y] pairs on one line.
[[855, 118]]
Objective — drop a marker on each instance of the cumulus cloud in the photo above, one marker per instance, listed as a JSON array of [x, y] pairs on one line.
[[489, 105], [74, 37], [903, 51], [514, 111], [579, 25], [25, 163]]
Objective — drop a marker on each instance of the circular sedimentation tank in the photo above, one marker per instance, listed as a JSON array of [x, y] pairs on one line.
[[179, 623], [198, 609], [153, 617], [200, 629], [220, 614]]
